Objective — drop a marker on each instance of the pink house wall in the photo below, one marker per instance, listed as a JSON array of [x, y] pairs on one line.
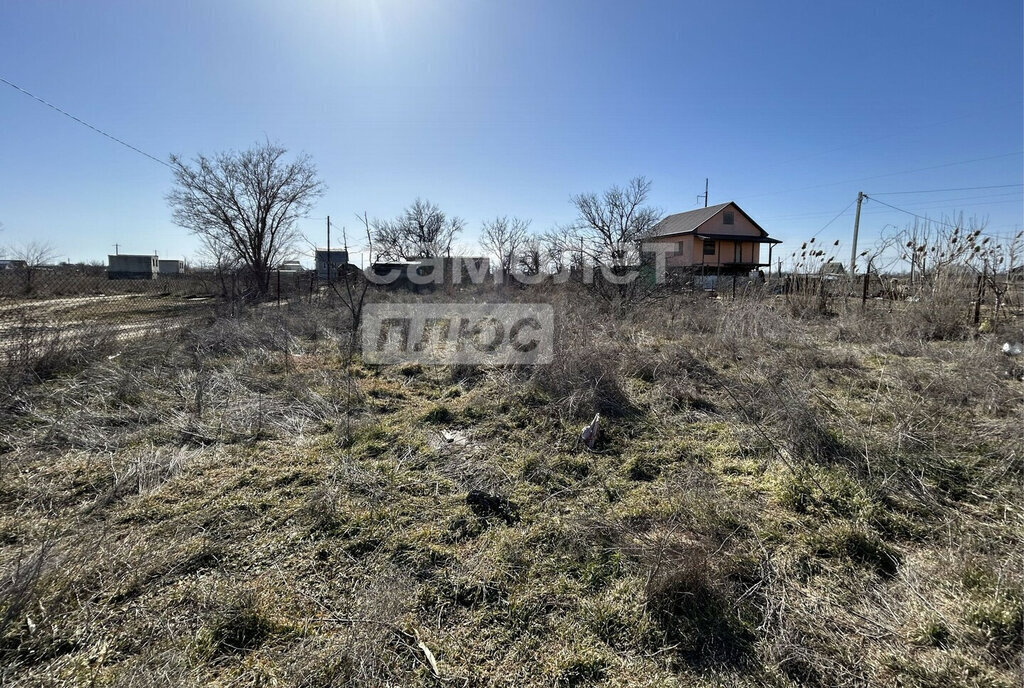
[[688, 250]]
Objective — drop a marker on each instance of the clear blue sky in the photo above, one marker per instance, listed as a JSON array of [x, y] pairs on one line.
[[490, 108]]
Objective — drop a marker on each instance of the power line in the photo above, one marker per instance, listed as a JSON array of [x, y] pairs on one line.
[[962, 188], [84, 123], [983, 197], [958, 204], [920, 217], [840, 214], [890, 174]]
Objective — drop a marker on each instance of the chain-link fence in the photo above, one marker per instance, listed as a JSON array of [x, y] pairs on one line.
[[55, 317], [51, 314], [44, 310]]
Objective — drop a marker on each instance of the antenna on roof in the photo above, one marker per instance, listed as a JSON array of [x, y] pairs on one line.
[[705, 194]]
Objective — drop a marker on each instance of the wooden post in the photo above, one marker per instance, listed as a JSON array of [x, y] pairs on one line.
[[981, 293]]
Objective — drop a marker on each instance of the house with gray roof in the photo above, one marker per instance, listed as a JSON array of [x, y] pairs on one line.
[[718, 240]]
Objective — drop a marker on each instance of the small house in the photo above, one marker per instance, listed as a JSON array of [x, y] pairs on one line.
[[126, 266], [171, 268], [291, 267], [330, 263], [718, 240]]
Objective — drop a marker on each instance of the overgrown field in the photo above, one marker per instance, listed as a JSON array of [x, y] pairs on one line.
[[775, 500]]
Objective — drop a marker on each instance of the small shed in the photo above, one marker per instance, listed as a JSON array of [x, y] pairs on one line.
[[171, 268], [126, 266]]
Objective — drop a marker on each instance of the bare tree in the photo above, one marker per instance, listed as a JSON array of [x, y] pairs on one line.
[[246, 203], [504, 238], [612, 225], [351, 287], [222, 261], [421, 231], [34, 254], [555, 252], [609, 231], [530, 259]]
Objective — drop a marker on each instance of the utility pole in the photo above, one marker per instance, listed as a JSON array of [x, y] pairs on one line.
[[328, 251], [856, 228], [705, 194]]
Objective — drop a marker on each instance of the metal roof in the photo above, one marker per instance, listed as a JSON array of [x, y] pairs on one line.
[[681, 223], [690, 221]]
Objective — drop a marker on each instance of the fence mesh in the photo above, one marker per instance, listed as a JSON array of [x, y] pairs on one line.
[[50, 313]]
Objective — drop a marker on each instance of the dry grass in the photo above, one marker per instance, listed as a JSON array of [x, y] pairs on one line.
[[777, 499]]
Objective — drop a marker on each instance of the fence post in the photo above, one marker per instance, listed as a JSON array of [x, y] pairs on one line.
[[981, 293]]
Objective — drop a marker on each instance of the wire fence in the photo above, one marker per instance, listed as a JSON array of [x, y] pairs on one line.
[[60, 308], [50, 315]]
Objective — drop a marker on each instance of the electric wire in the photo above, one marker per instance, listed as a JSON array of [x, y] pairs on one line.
[[890, 174], [838, 215], [84, 123], [962, 188]]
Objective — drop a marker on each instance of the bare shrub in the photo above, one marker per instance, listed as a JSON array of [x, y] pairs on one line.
[[942, 310], [583, 378], [795, 417], [691, 561], [746, 327], [243, 623], [18, 586], [144, 470], [32, 352]]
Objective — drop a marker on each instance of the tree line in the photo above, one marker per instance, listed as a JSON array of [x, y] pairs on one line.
[[244, 207]]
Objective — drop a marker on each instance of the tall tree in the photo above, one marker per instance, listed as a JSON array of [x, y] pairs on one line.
[[609, 231], [246, 203], [505, 238], [423, 230]]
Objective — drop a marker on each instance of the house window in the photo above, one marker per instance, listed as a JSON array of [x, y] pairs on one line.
[[709, 247], [728, 218]]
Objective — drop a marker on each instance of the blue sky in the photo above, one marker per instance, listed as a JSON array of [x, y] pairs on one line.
[[491, 108]]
